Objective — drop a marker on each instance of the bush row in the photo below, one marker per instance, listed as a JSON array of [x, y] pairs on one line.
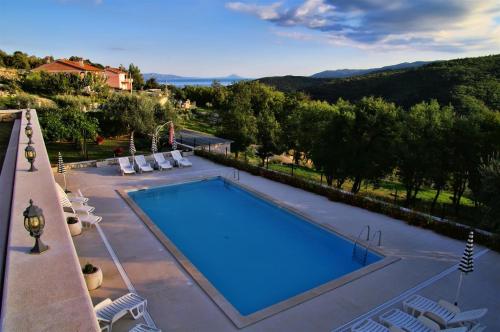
[[409, 216]]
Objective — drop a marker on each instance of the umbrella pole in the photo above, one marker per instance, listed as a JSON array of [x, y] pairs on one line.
[[460, 280], [65, 184]]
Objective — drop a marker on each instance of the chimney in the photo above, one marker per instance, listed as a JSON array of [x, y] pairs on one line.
[[81, 62]]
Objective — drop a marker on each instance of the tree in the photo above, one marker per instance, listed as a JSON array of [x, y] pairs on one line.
[[68, 124], [237, 121], [126, 113], [268, 136], [424, 153], [374, 140], [489, 193], [151, 83], [135, 74]]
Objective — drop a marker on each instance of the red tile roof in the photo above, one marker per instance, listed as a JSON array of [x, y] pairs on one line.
[[115, 70], [65, 65]]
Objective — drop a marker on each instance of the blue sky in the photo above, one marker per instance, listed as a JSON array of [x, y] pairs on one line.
[[251, 38]]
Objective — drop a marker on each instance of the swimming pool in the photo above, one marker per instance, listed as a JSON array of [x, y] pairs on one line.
[[253, 252]]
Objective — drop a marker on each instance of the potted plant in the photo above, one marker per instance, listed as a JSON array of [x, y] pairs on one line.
[[74, 225], [92, 275]]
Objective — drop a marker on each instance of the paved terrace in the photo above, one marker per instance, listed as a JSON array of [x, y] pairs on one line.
[[177, 303]]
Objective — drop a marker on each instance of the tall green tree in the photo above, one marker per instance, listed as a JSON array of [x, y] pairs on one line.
[[135, 74], [268, 136], [374, 136], [237, 120], [126, 113], [423, 149]]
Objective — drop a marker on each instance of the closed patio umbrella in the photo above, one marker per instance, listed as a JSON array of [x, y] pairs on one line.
[[132, 149], [154, 148], [171, 137], [61, 169], [466, 263]]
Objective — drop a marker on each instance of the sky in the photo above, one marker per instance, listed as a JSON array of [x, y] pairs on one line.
[[255, 38]]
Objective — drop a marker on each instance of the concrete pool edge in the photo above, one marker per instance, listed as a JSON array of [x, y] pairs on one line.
[[224, 305]]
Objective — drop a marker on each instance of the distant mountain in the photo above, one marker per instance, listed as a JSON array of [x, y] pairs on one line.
[[440, 80], [343, 73], [169, 77]]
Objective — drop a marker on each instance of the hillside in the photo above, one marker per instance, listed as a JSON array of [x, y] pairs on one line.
[[443, 80], [343, 73]]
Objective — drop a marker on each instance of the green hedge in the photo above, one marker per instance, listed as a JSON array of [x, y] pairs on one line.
[[393, 211]]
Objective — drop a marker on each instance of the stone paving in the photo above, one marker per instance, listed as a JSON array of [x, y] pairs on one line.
[[177, 303]]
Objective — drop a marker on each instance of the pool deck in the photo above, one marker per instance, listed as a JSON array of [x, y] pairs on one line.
[[177, 303]]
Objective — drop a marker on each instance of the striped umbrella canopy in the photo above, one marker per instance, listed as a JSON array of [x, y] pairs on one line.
[[61, 169], [132, 145], [466, 264], [154, 148]]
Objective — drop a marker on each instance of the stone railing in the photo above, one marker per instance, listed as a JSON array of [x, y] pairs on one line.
[[44, 292]]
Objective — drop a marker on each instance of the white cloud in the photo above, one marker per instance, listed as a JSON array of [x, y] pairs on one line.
[[451, 25]]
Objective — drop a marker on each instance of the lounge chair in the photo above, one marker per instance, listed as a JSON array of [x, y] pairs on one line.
[[442, 312], [144, 328], [179, 159], [142, 164], [161, 161], [72, 197], [407, 322], [88, 220], [68, 206], [125, 167], [108, 311], [369, 325]]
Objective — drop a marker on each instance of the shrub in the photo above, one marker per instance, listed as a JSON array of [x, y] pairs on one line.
[[118, 151], [411, 217], [89, 268]]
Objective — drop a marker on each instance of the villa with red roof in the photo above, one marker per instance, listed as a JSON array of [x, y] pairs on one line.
[[115, 78], [118, 79]]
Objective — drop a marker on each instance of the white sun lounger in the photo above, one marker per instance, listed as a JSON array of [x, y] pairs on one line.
[[442, 312], [407, 322], [108, 311], [161, 161], [144, 328], [125, 167], [88, 220], [369, 325], [69, 206], [143, 165], [72, 197], [179, 159]]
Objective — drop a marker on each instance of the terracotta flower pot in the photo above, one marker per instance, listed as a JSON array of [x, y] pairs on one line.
[[75, 227], [94, 279]]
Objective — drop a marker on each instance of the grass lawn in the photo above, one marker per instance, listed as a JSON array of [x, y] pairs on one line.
[[200, 121], [386, 189], [71, 153], [5, 130]]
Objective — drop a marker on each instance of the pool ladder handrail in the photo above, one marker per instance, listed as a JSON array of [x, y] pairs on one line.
[[379, 232], [367, 227], [235, 173]]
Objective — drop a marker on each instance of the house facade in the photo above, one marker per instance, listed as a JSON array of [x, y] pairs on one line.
[[115, 78], [118, 79]]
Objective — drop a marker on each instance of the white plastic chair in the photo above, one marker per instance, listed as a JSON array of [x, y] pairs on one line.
[[179, 159], [109, 311], [161, 161], [142, 164], [443, 312], [125, 167]]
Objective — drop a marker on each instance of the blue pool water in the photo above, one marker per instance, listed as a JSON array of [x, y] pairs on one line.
[[255, 253]]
